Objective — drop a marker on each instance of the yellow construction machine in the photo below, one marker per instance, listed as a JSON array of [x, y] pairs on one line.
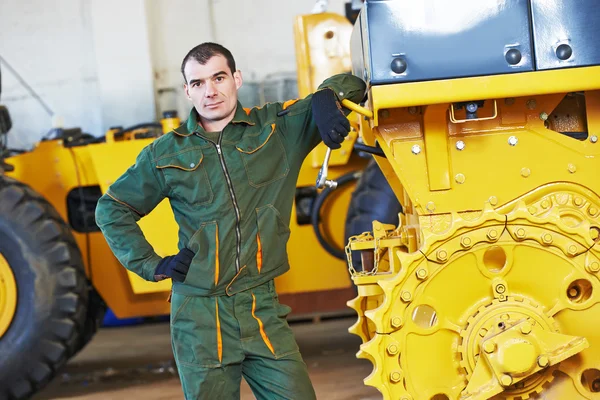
[[488, 117]]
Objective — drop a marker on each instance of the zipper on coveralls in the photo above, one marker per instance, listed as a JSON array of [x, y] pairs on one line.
[[238, 233]]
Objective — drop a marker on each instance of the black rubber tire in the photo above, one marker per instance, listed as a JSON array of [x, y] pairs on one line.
[[372, 199], [52, 291]]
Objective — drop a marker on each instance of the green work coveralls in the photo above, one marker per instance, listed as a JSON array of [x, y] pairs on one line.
[[232, 197]]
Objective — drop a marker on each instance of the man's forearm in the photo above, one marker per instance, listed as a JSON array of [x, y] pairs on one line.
[[118, 223]]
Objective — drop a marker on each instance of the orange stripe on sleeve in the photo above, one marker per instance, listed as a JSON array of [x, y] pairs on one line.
[[261, 327], [259, 253], [217, 256], [219, 338]]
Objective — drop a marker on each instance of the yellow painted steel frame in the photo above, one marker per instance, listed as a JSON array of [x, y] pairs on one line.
[[489, 287], [413, 127]]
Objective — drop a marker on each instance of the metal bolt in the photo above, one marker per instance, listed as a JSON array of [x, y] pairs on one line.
[[520, 233], [593, 138], [489, 347], [596, 386], [509, 101], [578, 201], [513, 140], [505, 317], [525, 172], [460, 145], [483, 332], [526, 328], [572, 249], [465, 242], [506, 380], [531, 104], [543, 116], [459, 178], [592, 211], [412, 110], [392, 349], [547, 238], [493, 200], [500, 288], [395, 376], [430, 206], [422, 273], [572, 168], [532, 210], [543, 361], [442, 255], [416, 149], [396, 322], [545, 204], [573, 292], [492, 234], [594, 267], [406, 296]]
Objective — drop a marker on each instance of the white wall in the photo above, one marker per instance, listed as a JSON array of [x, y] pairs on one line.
[[123, 62], [49, 43], [99, 63]]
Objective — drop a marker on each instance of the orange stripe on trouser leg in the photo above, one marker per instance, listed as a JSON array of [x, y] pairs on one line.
[[258, 253], [217, 257], [261, 327], [219, 338]]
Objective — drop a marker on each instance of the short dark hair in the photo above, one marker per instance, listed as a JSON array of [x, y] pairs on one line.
[[204, 52]]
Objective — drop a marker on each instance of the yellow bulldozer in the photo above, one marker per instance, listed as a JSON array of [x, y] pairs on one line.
[[488, 114]]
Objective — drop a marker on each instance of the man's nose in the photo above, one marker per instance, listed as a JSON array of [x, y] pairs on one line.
[[211, 90]]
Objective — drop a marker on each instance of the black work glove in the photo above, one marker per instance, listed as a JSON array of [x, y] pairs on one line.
[[331, 121], [175, 267]]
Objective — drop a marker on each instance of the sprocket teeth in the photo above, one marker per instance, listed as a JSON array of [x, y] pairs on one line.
[[371, 347], [355, 303], [363, 355], [381, 317], [357, 329]]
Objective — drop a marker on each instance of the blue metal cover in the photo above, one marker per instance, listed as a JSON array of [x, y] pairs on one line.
[[407, 40], [566, 33]]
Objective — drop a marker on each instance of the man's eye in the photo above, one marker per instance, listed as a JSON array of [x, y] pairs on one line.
[[219, 79]]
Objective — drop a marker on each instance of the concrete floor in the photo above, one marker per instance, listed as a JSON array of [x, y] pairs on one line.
[[137, 363]]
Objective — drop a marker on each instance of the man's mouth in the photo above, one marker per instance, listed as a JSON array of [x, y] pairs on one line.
[[214, 105]]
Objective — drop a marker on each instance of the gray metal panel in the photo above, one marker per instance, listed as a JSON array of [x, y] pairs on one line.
[[572, 23], [357, 51], [444, 39]]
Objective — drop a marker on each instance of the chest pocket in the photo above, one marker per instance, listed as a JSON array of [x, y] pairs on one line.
[[264, 157], [186, 176]]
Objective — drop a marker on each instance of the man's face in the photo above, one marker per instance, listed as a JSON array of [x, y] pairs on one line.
[[212, 88]]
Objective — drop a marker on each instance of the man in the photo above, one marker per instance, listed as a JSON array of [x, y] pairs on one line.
[[230, 176]]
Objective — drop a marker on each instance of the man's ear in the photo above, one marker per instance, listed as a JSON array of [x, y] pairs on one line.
[[237, 77], [186, 90]]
